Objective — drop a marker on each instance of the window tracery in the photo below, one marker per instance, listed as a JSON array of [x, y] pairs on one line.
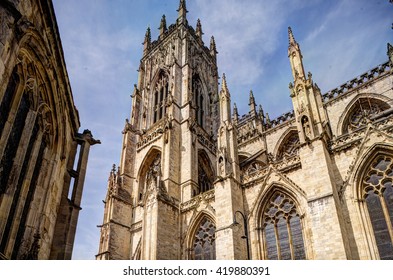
[[377, 191], [290, 146], [282, 229], [204, 245], [364, 110], [198, 100], [160, 98]]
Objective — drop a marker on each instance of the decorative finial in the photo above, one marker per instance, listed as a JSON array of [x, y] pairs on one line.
[[182, 12], [162, 25], [198, 29], [252, 99]]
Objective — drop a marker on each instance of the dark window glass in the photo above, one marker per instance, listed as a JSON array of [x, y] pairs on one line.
[[13, 143], [6, 102]]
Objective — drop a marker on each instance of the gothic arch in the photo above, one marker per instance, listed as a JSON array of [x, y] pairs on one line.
[[373, 192], [373, 104], [159, 94], [288, 143], [280, 221], [204, 224]]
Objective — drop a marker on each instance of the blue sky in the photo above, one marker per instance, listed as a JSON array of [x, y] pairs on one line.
[[102, 43]]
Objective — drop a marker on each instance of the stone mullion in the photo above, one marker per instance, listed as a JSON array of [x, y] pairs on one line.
[[277, 241], [387, 216], [290, 240]]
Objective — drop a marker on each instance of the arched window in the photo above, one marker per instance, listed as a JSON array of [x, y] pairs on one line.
[[377, 191], [199, 102], [160, 98], [364, 110], [282, 229], [289, 146], [204, 245], [205, 174]]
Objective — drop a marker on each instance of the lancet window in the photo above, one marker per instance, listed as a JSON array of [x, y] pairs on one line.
[[204, 245], [160, 98], [377, 192], [199, 100], [282, 229]]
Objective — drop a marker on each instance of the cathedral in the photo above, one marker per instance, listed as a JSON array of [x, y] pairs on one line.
[[43, 156], [196, 181]]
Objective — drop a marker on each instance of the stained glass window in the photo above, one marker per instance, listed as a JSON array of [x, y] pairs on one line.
[[378, 194], [282, 229], [204, 241]]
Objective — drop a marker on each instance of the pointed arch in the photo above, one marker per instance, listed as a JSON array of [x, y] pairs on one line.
[[281, 225], [288, 144], [373, 190], [200, 99], [361, 109], [159, 94], [201, 237]]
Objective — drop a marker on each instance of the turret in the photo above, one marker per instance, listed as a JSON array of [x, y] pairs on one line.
[[213, 49]]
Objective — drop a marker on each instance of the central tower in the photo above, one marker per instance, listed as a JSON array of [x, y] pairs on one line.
[[169, 146]]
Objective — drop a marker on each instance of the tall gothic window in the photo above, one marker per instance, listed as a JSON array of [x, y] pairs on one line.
[[204, 241], [199, 102], [377, 191], [290, 146], [363, 110], [7, 160], [282, 229], [160, 99], [205, 174], [6, 102]]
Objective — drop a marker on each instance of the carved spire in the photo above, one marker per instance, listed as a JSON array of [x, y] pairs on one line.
[[213, 49], [224, 87], [225, 102], [292, 41], [147, 42], [182, 11], [252, 102], [163, 26], [390, 53], [235, 114], [295, 57], [198, 30], [261, 114]]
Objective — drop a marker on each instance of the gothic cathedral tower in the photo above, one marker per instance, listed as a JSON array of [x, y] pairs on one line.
[[169, 146]]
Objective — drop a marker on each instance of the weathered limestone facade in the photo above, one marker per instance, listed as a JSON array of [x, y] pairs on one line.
[[315, 183], [43, 158]]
